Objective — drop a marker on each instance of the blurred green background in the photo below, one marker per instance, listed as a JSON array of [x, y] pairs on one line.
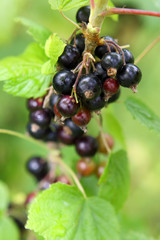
[[142, 209]]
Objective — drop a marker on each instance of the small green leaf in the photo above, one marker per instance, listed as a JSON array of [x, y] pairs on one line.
[[23, 75], [135, 236], [143, 113], [8, 229], [4, 193], [39, 33], [54, 47], [114, 182], [66, 5], [61, 212], [48, 67]]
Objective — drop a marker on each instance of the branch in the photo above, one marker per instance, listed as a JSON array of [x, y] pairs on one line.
[[24, 137], [92, 3], [147, 50], [128, 11]]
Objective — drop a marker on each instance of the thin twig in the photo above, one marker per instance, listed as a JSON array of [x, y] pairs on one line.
[[24, 137], [102, 134], [147, 49], [69, 170], [128, 11], [75, 24]]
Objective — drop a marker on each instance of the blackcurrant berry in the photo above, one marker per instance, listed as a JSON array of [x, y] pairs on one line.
[[101, 50], [95, 104], [100, 72], [41, 117], [86, 146], [82, 118], [114, 97], [129, 58], [36, 131], [70, 57], [63, 81], [67, 106], [76, 130], [130, 75], [56, 111], [54, 99], [112, 60], [65, 135], [79, 42], [85, 166], [111, 85], [109, 140], [100, 169], [83, 14], [89, 86], [38, 167], [51, 136], [35, 104]]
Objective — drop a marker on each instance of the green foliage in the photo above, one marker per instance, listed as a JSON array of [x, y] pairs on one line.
[[4, 193], [39, 33], [114, 182], [61, 212], [22, 75], [65, 5], [143, 113], [135, 236], [8, 229], [53, 48]]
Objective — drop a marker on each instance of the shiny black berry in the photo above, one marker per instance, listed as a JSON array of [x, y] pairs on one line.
[[41, 117], [101, 50], [70, 57], [54, 99], [79, 42], [83, 14], [95, 104], [67, 106], [112, 60], [130, 75], [38, 167], [129, 58], [86, 146], [114, 97], [89, 86], [35, 104], [63, 81], [76, 131], [51, 136], [65, 135], [36, 131], [100, 72]]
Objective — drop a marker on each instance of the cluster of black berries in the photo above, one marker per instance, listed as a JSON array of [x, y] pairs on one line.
[[76, 94]]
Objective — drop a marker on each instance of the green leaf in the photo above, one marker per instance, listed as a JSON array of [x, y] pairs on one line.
[[61, 212], [23, 75], [143, 113], [66, 5], [39, 33], [4, 193], [135, 236], [114, 182], [8, 229], [111, 124], [48, 67], [54, 47]]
